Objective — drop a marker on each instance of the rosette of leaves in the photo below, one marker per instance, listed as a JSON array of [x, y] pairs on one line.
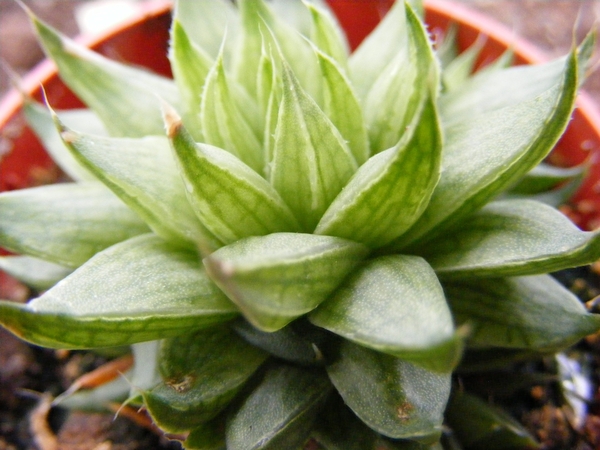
[[298, 242]]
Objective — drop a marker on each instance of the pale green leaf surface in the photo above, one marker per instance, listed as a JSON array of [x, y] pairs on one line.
[[266, 79], [392, 396], [585, 51], [487, 151], [342, 107], [65, 223], [254, 15], [34, 272], [512, 237], [374, 54], [391, 190], [201, 373], [418, 6], [145, 374], [297, 50], [279, 413], [190, 66], [275, 278], [311, 161], [210, 25], [143, 173], [328, 36], [224, 125], [534, 312], [99, 306], [396, 96], [395, 305], [492, 91], [113, 90], [296, 14], [230, 199], [40, 120], [270, 92], [258, 21]]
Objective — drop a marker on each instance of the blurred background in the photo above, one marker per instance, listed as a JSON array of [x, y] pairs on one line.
[[549, 23]]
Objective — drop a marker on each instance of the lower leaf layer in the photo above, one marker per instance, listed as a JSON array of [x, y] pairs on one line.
[[201, 373], [279, 413], [99, 306], [392, 396]]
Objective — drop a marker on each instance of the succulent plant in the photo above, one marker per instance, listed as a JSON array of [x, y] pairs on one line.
[[297, 242]]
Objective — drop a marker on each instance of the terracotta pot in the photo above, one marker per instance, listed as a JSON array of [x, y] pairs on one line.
[[23, 161]]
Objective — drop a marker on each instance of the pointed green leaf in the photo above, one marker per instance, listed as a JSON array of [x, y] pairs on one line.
[[533, 312], [34, 272], [40, 120], [113, 90], [480, 425], [328, 35], [499, 132], [460, 68], [270, 93], [190, 66], [311, 162], [379, 48], [258, 20], [512, 237], [392, 396], [395, 305], [208, 24], [143, 173], [393, 71], [65, 223], [418, 6], [342, 107], [397, 93], [99, 306], [223, 124], [275, 278], [230, 199], [201, 372], [391, 190], [279, 413], [266, 82]]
